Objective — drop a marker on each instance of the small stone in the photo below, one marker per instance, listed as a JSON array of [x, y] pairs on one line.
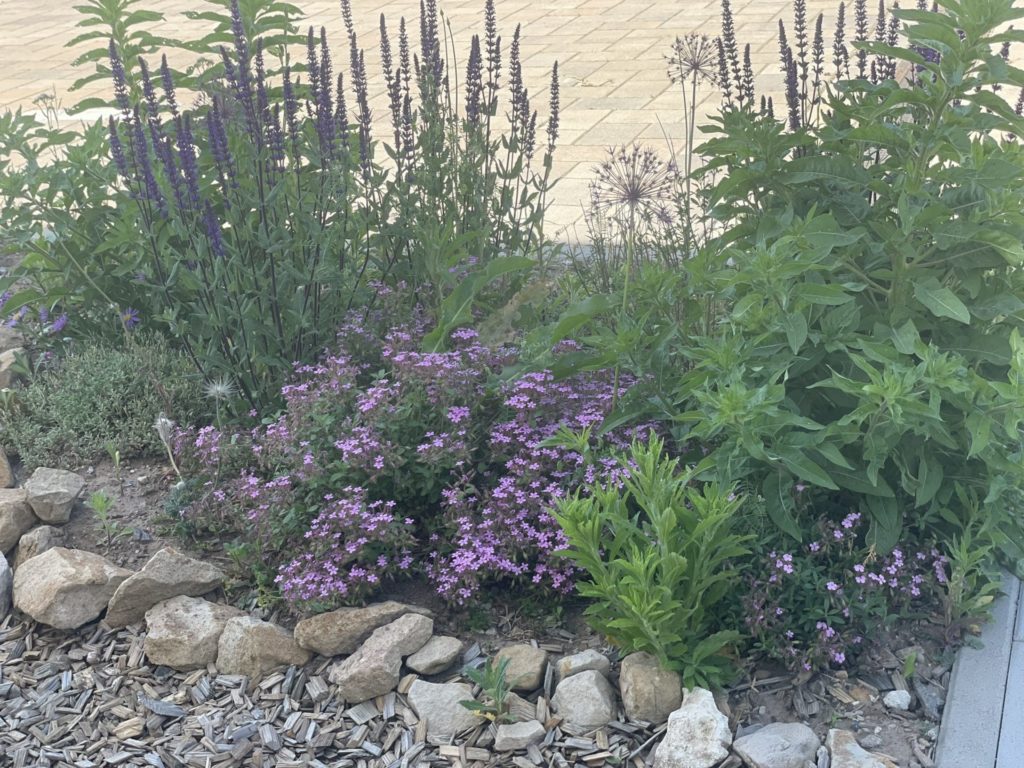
[[697, 736], [778, 745], [52, 494], [847, 753], [35, 542], [6, 587], [6, 473], [649, 692], [8, 359], [437, 655], [871, 741], [931, 697], [518, 736], [440, 705], [168, 574], [182, 633], [251, 647], [898, 700], [525, 666], [581, 662], [16, 517], [66, 588], [374, 669], [341, 632], [585, 701]]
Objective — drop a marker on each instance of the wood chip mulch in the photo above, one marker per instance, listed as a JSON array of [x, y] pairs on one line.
[[90, 698]]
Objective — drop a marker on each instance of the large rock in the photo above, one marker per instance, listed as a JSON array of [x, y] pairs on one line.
[[437, 655], [374, 669], [511, 737], [526, 664], [778, 745], [168, 574], [585, 701], [16, 517], [341, 632], [6, 587], [6, 473], [440, 705], [251, 647], [649, 692], [35, 542], [847, 753], [7, 360], [52, 494], [581, 662], [698, 734], [183, 633], [66, 588]]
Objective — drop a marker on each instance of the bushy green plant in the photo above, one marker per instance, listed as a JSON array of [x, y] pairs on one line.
[[872, 345], [495, 686], [70, 412], [659, 555]]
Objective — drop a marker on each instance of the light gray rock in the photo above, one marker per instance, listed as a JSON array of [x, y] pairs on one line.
[[341, 632], [525, 666], [931, 697], [439, 704], [168, 573], [35, 542], [778, 745], [66, 588], [585, 701], [52, 493], [437, 655], [251, 647], [6, 587], [697, 736], [16, 517], [6, 473], [847, 753], [898, 700], [7, 360], [518, 736], [649, 692], [374, 669], [182, 633], [581, 662]]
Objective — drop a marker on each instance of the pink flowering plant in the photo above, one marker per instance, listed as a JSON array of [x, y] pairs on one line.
[[389, 461], [814, 606]]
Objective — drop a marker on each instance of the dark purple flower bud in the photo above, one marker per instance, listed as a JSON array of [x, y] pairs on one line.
[[140, 148], [148, 92], [346, 14], [553, 119], [120, 81], [840, 54], [187, 159], [860, 28], [238, 32], [313, 66], [723, 71], [213, 231], [793, 96], [492, 46], [1019, 106], [747, 94], [730, 45], [168, 85], [818, 57], [219, 148], [474, 81], [341, 113], [117, 151]]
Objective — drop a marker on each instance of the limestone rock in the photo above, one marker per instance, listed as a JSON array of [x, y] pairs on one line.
[[778, 745], [518, 736], [66, 588], [698, 734], [7, 360], [581, 662], [439, 704], [649, 692], [525, 666], [251, 647], [341, 632], [437, 655], [52, 494], [182, 633], [6, 587], [168, 574], [374, 669], [35, 542], [847, 753], [585, 701], [898, 700], [6, 473], [16, 517]]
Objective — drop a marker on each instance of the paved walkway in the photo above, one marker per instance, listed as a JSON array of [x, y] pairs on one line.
[[611, 53]]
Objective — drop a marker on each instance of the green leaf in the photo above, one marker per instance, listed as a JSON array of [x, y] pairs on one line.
[[795, 325], [779, 503], [886, 523], [581, 313], [801, 466], [941, 301], [828, 295], [905, 338]]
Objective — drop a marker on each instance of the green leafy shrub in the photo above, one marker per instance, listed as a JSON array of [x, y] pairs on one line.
[[99, 396], [659, 555]]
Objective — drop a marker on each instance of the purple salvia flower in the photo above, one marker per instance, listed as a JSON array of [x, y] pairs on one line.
[[365, 117], [520, 104], [120, 80], [474, 81], [800, 36], [392, 81], [793, 96], [213, 231], [817, 59], [148, 92], [860, 27], [167, 82], [291, 113], [346, 14], [723, 72], [117, 150], [730, 46], [341, 113], [262, 101], [151, 191], [313, 67], [553, 118], [492, 48], [840, 54], [747, 92], [219, 148], [238, 32], [164, 152], [187, 159]]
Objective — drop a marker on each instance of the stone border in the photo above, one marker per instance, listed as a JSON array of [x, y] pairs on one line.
[[970, 733]]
